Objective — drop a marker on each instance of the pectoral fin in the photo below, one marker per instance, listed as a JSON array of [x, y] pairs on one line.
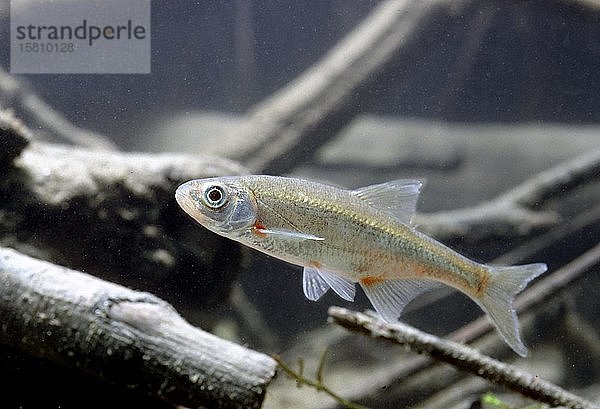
[[389, 297], [287, 234]]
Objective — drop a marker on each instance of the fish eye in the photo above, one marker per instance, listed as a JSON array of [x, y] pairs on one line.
[[215, 197]]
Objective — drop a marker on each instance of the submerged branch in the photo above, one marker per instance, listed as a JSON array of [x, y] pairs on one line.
[[515, 212], [531, 302], [537, 294], [461, 357], [75, 206], [125, 337], [15, 94], [314, 106]]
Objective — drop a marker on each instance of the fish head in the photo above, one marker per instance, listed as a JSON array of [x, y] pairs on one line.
[[222, 205]]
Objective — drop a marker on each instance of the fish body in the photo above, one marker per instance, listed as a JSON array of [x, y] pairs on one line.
[[342, 237]]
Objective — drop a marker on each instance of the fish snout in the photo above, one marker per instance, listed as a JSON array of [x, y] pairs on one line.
[[182, 192], [183, 196]]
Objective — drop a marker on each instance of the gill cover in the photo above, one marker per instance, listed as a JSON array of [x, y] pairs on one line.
[[218, 204]]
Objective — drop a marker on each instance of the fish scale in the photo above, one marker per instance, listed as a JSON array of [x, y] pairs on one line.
[[342, 237], [396, 240]]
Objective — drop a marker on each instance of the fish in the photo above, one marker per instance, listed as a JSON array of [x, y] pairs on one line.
[[342, 237]]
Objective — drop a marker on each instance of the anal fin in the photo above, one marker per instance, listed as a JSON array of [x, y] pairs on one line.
[[389, 297]]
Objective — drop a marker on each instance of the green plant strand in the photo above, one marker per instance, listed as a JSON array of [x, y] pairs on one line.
[[316, 384], [495, 402]]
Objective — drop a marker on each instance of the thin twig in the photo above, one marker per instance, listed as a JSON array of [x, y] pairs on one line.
[[586, 220], [321, 366], [252, 320], [461, 357]]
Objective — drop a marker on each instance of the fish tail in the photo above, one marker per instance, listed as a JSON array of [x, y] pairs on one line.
[[498, 295]]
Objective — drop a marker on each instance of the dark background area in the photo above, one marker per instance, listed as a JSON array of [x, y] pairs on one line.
[[498, 61]]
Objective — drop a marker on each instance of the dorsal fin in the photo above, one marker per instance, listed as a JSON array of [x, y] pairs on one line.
[[398, 197]]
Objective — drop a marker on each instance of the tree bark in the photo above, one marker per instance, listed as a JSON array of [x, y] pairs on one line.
[[74, 206], [123, 336]]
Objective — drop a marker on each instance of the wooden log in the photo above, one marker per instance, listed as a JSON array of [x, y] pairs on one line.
[[14, 137], [74, 206], [123, 336]]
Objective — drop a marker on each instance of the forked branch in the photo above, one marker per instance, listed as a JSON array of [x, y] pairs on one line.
[[517, 211]]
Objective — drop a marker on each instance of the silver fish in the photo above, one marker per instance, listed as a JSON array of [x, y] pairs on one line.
[[342, 237]]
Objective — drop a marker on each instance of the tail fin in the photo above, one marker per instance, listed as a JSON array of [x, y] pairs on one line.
[[497, 300]]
